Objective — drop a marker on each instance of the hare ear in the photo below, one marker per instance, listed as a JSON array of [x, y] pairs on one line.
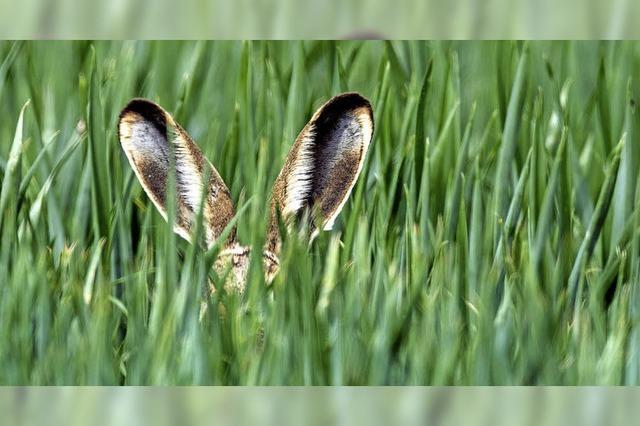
[[323, 164], [150, 138]]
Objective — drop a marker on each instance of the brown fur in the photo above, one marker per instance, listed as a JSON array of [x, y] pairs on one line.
[[152, 169], [334, 172], [322, 165]]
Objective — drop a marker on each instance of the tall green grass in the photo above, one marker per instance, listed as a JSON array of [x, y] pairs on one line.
[[492, 238]]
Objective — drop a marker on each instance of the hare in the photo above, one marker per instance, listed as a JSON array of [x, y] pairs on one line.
[[318, 175]]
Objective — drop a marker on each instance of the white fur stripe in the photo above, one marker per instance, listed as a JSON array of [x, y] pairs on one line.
[[300, 182]]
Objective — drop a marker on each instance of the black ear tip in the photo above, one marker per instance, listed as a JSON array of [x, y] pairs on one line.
[[149, 111], [351, 100]]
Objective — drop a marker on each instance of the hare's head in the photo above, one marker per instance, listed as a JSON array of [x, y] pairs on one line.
[[316, 179]]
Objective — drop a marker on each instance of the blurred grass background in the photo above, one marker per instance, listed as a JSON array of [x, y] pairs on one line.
[[492, 237], [320, 405], [328, 19]]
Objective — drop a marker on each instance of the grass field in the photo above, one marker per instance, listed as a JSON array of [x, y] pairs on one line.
[[492, 238]]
